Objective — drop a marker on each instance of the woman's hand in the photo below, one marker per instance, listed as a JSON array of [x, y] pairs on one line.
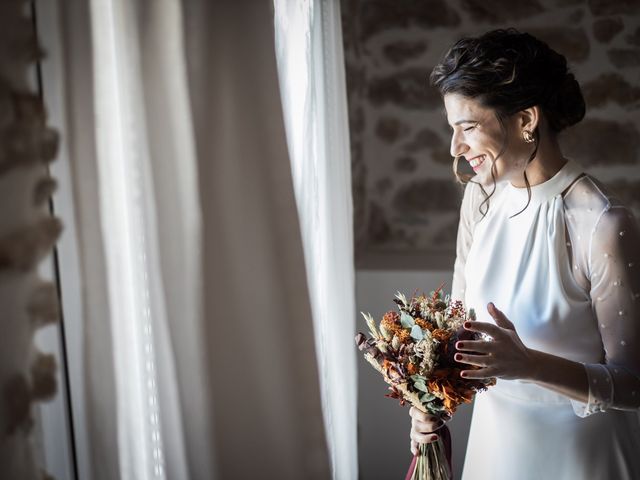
[[504, 357], [422, 427]]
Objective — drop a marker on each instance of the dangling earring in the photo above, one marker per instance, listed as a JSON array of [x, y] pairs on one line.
[[528, 136]]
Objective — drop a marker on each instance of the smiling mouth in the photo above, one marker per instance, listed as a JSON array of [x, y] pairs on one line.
[[475, 162]]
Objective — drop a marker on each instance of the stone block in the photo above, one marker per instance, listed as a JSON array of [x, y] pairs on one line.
[[614, 7], [576, 16], [570, 42], [605, 29], [634, 38], [447, 235], [382, 186], [441, 156], [427, 195], [390, 129], [624, 57], [611, 87], [569, 3], [501, 11], [406, 164], [378, 228], [406, 89], [602, 142], [425, 138], [399, 52], [381, 15]]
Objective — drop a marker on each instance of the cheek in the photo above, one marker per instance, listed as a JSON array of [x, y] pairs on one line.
[[509, 165], [486, 143]]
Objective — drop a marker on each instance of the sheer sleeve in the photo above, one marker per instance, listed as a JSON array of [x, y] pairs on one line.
[[468, 217], [614, 273]]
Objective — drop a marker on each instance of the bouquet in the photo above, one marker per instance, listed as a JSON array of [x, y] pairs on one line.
[[413, 349]]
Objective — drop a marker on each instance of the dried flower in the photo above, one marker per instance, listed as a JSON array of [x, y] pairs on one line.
[[413, 349]]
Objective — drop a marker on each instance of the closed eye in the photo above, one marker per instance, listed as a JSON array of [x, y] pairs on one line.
[[470, 128]]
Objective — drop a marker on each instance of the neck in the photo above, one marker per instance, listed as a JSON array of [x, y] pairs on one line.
[[547, 162]]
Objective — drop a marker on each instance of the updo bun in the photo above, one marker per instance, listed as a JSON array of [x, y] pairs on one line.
[[566, 107], [510, 71]]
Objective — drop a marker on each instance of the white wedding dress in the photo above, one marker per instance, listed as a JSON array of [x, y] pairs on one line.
[[566, 272]]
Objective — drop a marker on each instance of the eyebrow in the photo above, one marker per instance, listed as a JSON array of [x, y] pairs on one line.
[[459, 122]]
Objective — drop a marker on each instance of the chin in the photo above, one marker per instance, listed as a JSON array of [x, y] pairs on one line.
[[483, 175]]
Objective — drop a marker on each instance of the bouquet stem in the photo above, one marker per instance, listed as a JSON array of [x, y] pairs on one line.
[[431, 462]]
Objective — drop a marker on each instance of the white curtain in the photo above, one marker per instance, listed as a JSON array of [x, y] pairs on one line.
[[310, 59], [199, 357], [138, 218]]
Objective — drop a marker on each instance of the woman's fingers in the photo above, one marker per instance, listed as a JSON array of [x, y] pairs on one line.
[[477, 360], [499, 317], [483, 327], [423, 437], [423, 426], [426, 427], [479, 373], [420, 416], [480, 346]]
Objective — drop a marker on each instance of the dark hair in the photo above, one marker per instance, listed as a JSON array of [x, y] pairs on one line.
[[509, 71]]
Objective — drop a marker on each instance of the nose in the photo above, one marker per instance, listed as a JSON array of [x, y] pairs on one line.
[[458, 147]]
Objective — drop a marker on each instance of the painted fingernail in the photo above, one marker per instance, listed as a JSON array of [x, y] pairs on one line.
[[434, 438], [463, 374], [459, 345], [457, 356], [467, 324]]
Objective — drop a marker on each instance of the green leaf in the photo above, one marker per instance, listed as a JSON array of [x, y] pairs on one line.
[[416, 332], [427, 397], [418, 378], [407, 320], [420, 385]]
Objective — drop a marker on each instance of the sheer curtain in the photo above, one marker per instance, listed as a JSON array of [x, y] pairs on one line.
[[198, 357], [125, 63], [309, 52]]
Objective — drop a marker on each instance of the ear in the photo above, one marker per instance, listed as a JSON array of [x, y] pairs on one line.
[[529, 118]]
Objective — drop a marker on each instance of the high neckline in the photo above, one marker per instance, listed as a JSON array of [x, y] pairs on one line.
[[549, 188]]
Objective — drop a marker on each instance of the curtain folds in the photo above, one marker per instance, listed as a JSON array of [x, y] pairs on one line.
[[310, 59], [212, 349]]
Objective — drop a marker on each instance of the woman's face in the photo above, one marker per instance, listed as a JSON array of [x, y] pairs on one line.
[[478, 137]]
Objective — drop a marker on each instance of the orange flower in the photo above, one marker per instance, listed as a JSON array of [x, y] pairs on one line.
[[412, 368], [445, 382], [391, 322], [424, 324], [403, 335], [441, 335]]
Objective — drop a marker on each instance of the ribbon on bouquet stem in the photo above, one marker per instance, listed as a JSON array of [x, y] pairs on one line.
[[445, 435]]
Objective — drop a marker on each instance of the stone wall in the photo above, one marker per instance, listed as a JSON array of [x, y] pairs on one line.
[[405, 199]]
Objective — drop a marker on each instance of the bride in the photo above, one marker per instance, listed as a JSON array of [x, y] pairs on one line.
[[554, 257]]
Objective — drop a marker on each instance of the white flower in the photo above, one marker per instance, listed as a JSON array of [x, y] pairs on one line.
[[455, 323], [425, 349]]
